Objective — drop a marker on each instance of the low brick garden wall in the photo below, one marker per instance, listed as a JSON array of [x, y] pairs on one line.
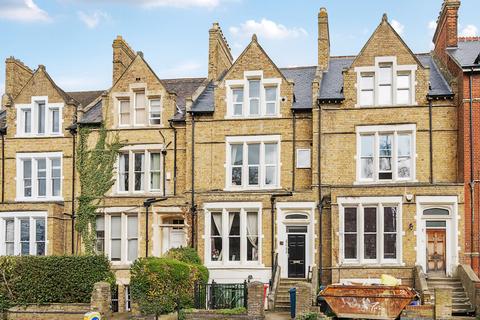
[[72, 311], [212, 314]]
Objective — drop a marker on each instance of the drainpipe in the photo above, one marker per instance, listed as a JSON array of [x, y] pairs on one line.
[[2, 133], [472, 182], [430, 120], [273, 198], [170, 122], [147, 204], [320, 203], [193, 207], [73, 132], [294, 143]]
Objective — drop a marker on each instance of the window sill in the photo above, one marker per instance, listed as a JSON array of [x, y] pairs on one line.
[[37, 136], [371, 264], [235, 266], [137, 194], [253, 117], [46, 199], [246, 189], [136, 127], [383, 182]]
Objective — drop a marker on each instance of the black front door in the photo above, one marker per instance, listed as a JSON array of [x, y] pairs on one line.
[[296, 256]]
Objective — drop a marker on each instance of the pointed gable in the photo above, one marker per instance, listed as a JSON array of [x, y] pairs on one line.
[[385, 41], [385, 48], [253, 57]]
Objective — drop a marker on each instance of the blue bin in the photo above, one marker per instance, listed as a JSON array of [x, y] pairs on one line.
[[293, 302]]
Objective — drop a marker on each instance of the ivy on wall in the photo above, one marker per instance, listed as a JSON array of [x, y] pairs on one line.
[[95, 167]]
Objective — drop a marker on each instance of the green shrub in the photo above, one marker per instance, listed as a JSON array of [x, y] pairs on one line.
[[161, 285], [51, 279], [184, 254], [309, 316]]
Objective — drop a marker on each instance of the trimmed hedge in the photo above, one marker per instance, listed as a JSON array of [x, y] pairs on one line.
[[161, 285], [50, 279], [184, 254]]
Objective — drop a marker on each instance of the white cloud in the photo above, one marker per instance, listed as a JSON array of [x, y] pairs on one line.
[[93, 19], [266, 29], [23, 11], [432, 25], [469, 31], [398, 26]]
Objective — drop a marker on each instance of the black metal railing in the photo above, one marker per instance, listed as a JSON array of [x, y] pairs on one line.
[[220, 295]]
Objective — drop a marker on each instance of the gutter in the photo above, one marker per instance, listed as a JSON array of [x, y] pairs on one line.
[[320, 202], [294, 144], [3, 132], [170, 123], [73, 131], [472, 181]]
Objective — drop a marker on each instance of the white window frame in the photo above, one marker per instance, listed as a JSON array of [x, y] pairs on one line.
[[245, 140], [146, 109], [146, 150], [379, 203], [244, 83], [150, 99], [20, 157], [395, 130], [298, 164], [17, 216], [119, 103], [225, 208], [124, 236], [130, 95], [396, 69], [32, 107]]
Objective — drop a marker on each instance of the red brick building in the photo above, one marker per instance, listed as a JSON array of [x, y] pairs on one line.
[[461, 60]]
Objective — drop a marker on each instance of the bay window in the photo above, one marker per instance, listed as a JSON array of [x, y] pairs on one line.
[[386, 83], [253, 162], [39, 176], [117, 236], [139, 171], [370, 230], [386, 153], [23, 233], [253, 96], [39, 118], [232, 233]]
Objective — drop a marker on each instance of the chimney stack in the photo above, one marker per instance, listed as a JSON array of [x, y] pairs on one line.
[[17, 75], [446, 34], [123, 56], [219, 55], [323, 39]]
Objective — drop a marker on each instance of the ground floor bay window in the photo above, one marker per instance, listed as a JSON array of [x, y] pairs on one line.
[[370, 230], [232, 234], [23, 233], [117, 236]]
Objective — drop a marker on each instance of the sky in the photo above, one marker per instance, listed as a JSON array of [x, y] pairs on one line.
[[73, 38]]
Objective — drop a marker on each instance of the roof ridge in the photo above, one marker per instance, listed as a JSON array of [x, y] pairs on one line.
[[185, 78], [298, 67]]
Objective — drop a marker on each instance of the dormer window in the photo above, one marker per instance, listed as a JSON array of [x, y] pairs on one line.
[[253, 96], [386, 83], [39, 118]]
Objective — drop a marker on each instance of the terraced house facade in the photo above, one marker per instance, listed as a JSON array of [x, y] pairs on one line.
[[337, 172]]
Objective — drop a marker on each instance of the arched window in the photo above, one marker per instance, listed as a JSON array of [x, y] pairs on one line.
[[297, 216], [436, 212]]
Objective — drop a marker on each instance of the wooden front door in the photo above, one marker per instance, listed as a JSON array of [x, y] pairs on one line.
[[296, 256], [436, 247]]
